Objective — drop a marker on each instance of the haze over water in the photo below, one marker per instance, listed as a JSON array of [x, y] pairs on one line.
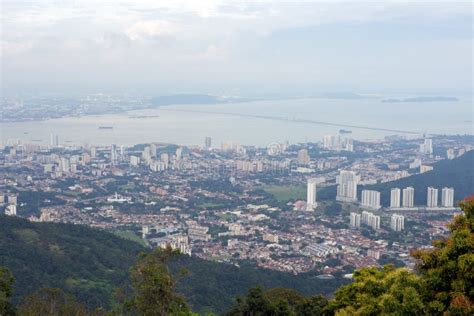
[[182, 124]]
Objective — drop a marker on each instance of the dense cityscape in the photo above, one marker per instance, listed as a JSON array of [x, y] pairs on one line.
[[287, 207], [237, 158]]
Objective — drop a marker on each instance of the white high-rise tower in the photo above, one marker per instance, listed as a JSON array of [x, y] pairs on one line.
[[432, 197], [371, 199], [347, 186], [311, 203], [447, 197], [397, 222], [408, 199], [395, 197]]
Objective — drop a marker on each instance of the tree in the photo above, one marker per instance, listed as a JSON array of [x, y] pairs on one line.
[[443, 284], [380, 292], [278, 302], [254, 304], [449, 268], [153, 286], [53, 302], [6, 283]]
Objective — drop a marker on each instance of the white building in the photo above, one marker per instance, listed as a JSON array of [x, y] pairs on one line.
[[371, 199], [408, 199], [198, 232], [347, 186], [395, 197], [397, 222], [330, 142], [54, 140], [371, 220], [450, 153], [208, 142], [425, 168], [311, 203], [415, 164], [113, 154], [432, 197], [355, 219], [427, 146], [374, 222], [10, 210], [447, 197], [303, 157], [134, 161]]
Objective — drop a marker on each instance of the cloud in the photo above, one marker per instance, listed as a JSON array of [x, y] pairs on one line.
[[151, 29], [244, 42]]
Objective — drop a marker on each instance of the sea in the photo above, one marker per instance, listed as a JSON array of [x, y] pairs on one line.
[[257, 123]]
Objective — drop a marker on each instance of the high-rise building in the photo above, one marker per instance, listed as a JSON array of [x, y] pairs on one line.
[[432, 197], [153, 150], [64, 165], [427, 146], [397, 222], [134, 160], [208, 142], [303, 157], [345, 140], [10, 210], [146, 155], [447, 197], [311, 203], [347, 186], [408, 199], [54, 140], [450, 153], [113, 154], [395, 197], [330, 142], [370, 219], [374, 221], [355, 219], [371, 199]]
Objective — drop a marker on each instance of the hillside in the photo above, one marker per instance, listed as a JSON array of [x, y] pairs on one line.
[[86, 262], [90, 263], [457, 173]]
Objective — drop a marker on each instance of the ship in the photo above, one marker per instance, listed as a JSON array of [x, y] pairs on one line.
[[106, 127]]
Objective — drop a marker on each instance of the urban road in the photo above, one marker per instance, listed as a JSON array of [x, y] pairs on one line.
[[297, 120]]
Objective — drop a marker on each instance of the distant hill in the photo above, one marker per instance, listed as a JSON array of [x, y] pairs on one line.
[[192, 99], [457, 173], [422, 99], [90, 263]]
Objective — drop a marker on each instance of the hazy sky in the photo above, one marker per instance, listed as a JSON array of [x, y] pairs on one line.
[[238, 47]]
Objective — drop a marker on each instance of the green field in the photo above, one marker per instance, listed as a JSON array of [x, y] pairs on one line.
[[129, 235], [210, 205], [286, 193]]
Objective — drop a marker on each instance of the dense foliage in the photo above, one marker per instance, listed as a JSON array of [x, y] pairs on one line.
[[6, 282], [86, 262], [91, 264], [153, 287], [278, 301]]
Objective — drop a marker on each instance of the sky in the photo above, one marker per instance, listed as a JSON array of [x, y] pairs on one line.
[[157, 47]]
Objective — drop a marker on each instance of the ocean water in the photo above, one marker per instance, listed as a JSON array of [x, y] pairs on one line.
[[190, 124]]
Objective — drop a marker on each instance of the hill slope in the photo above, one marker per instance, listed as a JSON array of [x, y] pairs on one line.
[[457, 173], [86, 262], [90, 263]]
